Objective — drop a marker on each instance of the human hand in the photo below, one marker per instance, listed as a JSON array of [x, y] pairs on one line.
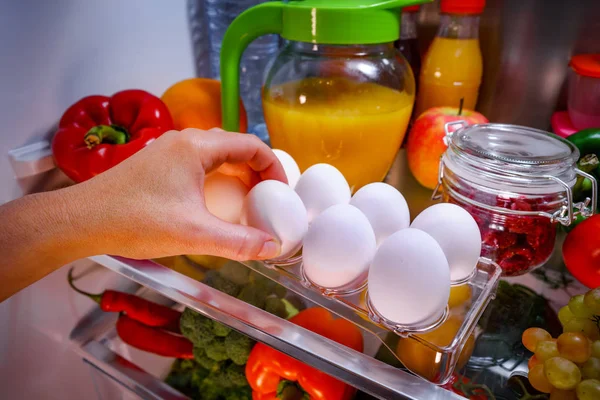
[[152, 204]]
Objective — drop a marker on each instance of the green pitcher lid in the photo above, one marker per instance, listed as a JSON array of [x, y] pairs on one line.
[[343, 21]]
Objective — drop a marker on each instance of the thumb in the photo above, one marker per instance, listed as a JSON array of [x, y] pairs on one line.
[[237, 242]]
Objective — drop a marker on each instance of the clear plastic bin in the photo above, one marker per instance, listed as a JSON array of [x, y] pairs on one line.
[[584, 91]]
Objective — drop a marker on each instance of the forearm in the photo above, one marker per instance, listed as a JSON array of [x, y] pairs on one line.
[[41, 233]]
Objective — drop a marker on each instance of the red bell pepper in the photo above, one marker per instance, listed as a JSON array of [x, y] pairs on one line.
[[464, 387], [581, 252], [99, 132], [274, 375]]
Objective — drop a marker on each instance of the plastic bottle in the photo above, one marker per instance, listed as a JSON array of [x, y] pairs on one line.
[[452, 67], [220, 13], [200, 41], [408, 43]]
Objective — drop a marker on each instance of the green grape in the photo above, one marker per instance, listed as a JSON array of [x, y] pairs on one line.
[[562, 373], [591, 368], [578, 307], [589, 390], [532, 336], [584, 325], [565, 315], [574, 346], [546, 349], [596, 349], [538, 379], [592, 300]]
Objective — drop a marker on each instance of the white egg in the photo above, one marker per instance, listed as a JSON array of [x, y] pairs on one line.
[[409, 278], [292, 171], [384, 206], [224, 196], [320, 187], [338, 247], [456, 232], [275, 208]]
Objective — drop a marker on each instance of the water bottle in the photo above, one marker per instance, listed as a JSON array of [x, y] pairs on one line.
[[196, 11], [255, 60]]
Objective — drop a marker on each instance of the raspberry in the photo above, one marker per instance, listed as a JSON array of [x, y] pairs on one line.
[[500, 240]]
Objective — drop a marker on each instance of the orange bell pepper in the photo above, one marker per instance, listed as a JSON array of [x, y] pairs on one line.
[[276, 376]]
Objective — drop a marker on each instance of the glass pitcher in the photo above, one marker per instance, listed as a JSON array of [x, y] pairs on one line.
[[338, 92]]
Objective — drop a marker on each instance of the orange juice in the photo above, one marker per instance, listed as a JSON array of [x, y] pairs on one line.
[[451, 71], [356, 127]]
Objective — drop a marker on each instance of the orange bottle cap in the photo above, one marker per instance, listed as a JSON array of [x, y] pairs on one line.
[[411, 9], [466, 7], [586, 64]]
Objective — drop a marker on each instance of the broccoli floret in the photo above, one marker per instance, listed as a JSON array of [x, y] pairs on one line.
[[197, 328], [275, 306], [186, 365], [216, 350], [238, 347], [210, 390], [236, 374], [280, 291], [198, 376], [295, 303], [235, 272], [254, 294], [220, 330], [244, 393], [215, 280], [203, 360]]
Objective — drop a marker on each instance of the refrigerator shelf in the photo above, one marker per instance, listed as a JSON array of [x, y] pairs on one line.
[[360, 370]]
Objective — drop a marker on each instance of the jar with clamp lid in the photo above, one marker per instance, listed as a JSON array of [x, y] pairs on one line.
[[517, 183]]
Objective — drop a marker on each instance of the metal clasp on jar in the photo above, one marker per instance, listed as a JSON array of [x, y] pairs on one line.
[[565, 215]]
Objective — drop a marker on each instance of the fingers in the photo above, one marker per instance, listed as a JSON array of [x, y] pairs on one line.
[[236, 242], [234, 148]]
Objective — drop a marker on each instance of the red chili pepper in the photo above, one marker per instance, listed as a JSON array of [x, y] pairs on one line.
[[153, 340], [142, 310], [99, 132]]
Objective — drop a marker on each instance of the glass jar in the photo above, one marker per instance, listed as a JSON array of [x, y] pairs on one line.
[[517, 184], [344, 105]]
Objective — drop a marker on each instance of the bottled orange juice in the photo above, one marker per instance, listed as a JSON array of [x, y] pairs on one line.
[[355, 126], [452, 67]]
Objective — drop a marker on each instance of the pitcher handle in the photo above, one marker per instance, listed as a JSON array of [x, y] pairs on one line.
[[263, 19]]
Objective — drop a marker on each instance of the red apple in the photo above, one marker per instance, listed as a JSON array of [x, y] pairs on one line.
[[425, 143]]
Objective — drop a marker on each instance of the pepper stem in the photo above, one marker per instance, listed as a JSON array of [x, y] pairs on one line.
[[460, 106], [105, 134], [288, 390], [96, 297]]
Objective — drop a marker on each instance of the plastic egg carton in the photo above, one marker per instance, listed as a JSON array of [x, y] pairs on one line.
[[353, 305]]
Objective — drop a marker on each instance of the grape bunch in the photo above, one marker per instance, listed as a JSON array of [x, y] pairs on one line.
[[568, 367]]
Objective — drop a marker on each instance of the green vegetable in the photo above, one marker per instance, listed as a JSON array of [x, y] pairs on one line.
[[197, 328], [220, 330], [220, 353], [239, 394], [235, 272], [214, 279], [276, 306], [588, 163], [238, 347], [254, 294], [216, 350], [236, 374], [587, 141], [203, 360]]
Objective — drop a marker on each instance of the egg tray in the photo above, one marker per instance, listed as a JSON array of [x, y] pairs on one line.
[[353, 305]]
